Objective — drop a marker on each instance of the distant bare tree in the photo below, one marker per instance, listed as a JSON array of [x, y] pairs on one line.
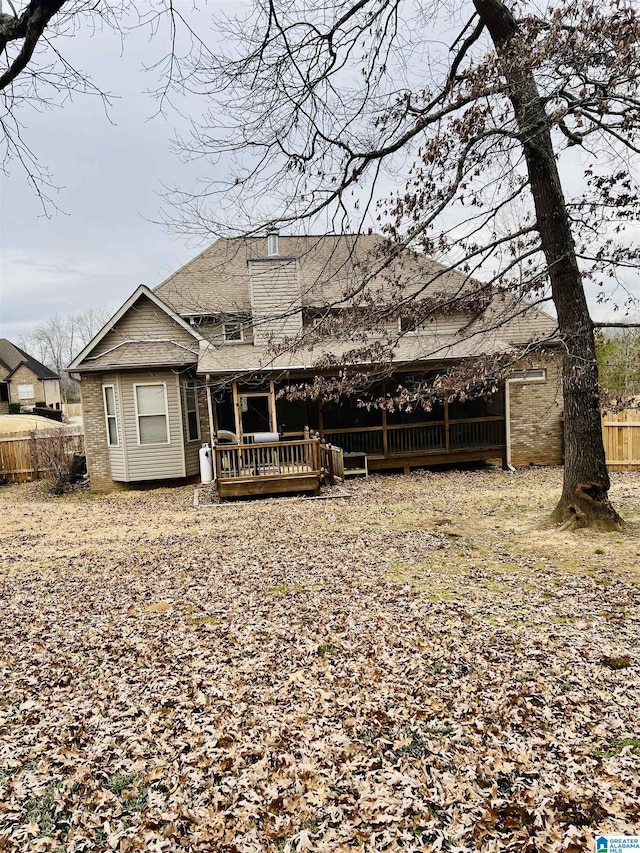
[[58, 340]]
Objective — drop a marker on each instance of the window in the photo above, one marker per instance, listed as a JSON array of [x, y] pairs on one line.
[[4, 392], [232, 331], [407, 325], [25, 391], [109, 393], [536, 374], [151, 413], [191, 408]]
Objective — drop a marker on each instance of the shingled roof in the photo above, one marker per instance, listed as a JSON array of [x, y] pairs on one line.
[[217, 280], [12, 357]]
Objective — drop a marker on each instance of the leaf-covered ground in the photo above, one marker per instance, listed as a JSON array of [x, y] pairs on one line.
[[414, 668]]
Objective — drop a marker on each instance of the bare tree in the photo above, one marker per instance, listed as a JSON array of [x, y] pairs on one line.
[[37, 72], [328, 108], [59, 339]]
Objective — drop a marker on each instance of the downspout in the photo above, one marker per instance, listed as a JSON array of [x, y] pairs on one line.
[[507, 424], [211, 425]]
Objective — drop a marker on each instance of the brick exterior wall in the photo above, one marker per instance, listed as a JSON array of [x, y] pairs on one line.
[[24, 375], [95, 434], [203, 413], [536, 414]]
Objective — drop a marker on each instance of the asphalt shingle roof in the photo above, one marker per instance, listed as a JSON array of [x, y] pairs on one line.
[[12, 357]]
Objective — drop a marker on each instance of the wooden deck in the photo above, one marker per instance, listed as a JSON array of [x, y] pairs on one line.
[[300, 464], [427, 443], [274, 468]]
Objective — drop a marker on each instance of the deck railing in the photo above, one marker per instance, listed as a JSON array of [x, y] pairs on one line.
[[477, 432], [425, 437], [264, 461]]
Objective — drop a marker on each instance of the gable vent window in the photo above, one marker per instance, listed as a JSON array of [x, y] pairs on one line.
[[536, 374], [109, 393], [232, 332], [152, 414]]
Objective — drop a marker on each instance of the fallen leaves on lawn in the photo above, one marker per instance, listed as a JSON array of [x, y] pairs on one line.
[[411, 670]]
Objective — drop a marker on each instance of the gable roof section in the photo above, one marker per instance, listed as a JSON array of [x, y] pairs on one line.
[[12, 357], [144, 331]]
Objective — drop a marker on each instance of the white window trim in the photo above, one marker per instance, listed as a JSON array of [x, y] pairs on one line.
[[114, 415], [521, 375], [417, 331], [239, 340], [137, 385], [30, 396], [191, 386]]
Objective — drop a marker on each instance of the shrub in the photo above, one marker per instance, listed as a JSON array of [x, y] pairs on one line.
[[55, 452], [46, 412], [14, 408]]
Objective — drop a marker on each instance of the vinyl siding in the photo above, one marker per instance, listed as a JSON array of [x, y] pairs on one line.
[[152, 461], [145, 334], [275, 299], [214, 333]]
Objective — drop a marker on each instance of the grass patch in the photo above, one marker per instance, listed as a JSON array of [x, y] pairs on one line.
[[281, 589], [202, 620], [615, 746], [616, 661], [43, 812], [132, 790]]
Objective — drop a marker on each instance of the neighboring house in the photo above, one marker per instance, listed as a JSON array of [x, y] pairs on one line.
[[24, 380], [196, 355]]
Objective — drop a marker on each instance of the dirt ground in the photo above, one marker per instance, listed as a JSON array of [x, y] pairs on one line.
[[413, 666]]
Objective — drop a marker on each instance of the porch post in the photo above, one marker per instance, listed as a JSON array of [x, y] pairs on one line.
[[272, 406], [447, 443], [385, 437], [213, 418], [237, 411], [320, 421]]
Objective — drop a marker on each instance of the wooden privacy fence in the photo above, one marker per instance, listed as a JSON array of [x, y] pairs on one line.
[[621, 435], [72, 410], [26, 456]]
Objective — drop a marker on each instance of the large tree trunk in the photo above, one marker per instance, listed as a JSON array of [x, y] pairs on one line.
[[584, 500]]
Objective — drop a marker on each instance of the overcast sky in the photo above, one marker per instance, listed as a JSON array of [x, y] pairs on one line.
[[104, 242]]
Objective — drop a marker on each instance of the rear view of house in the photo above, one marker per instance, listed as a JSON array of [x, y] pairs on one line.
[[217, 347]]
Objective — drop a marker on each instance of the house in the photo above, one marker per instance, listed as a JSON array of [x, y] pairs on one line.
[[25, 380], [220, 344]]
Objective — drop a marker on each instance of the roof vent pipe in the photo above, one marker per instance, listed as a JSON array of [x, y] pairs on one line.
[[272, 242]]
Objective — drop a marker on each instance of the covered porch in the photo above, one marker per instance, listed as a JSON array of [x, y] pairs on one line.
[[391, 439]]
